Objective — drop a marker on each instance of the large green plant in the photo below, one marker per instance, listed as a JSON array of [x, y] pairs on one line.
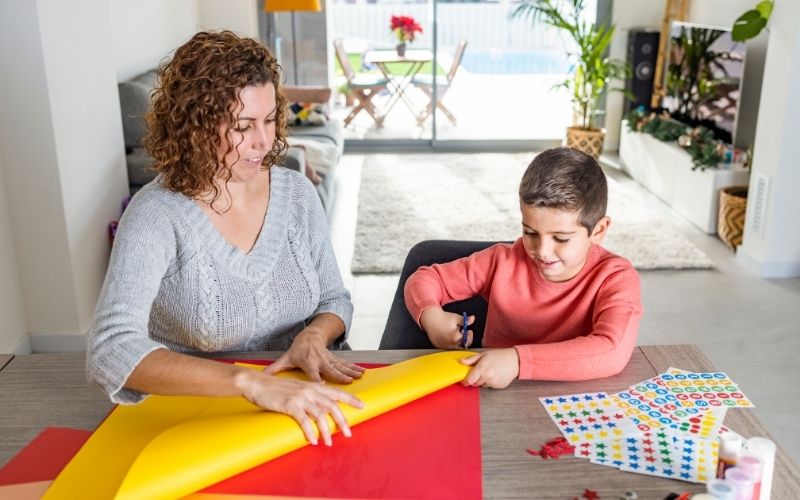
[[695, 71], [592, 70]]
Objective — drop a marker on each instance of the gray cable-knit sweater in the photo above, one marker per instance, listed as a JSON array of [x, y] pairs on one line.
[[174, 281]]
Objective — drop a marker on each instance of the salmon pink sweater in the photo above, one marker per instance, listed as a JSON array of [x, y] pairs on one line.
[[580, 329]]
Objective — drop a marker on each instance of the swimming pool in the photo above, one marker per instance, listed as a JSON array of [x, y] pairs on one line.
[[514, 62]]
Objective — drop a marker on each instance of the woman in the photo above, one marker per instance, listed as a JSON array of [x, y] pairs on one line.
[[223, 252]]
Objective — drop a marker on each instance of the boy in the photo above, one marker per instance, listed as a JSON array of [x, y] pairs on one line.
[[561, 307]]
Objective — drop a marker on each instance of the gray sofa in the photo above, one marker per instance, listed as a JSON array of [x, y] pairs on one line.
[[134, 96]]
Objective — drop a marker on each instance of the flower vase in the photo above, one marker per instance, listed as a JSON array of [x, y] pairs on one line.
[[401, 49]]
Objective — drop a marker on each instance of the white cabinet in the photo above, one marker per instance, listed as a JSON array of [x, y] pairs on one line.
[[666, 170]]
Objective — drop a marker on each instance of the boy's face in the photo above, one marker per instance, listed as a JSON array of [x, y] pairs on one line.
[[556, 243]]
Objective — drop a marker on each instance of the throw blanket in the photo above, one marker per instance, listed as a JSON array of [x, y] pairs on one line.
[[320, 156]]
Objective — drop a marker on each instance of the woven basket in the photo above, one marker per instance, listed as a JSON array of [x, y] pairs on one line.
[[732, 206], [588, 141]]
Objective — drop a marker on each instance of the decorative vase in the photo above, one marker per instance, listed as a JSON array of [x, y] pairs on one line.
[[588, 141], [732, 208], [401, 49]]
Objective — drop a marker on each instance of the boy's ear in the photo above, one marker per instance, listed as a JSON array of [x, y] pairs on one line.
[[600, 230]]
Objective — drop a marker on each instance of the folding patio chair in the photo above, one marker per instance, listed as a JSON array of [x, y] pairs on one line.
[[363, 87], [425, 83]]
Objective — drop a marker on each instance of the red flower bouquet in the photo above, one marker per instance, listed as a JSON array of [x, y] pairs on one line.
[[405, 28]]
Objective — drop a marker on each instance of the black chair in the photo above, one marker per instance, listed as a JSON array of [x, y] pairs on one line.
[[401, 331]]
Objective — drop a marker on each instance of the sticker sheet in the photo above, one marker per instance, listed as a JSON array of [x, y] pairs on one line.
[[703, 390], [586, 417], [666, 426]]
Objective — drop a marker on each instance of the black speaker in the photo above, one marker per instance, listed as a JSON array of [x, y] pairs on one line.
[[642, 54]]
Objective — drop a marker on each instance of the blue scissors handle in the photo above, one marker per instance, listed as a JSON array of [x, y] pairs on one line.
[[464, 331]]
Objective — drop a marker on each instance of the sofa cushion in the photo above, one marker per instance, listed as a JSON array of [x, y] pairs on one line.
[[331, 132], [134, 100], [307, 94], [140, 167], [148, 78]]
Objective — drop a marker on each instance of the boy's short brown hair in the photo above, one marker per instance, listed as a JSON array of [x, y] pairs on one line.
[[566, 179]]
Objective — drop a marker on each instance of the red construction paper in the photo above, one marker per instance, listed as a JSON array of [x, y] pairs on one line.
[[44, 457], [429, 448]]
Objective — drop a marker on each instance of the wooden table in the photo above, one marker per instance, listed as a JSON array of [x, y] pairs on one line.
[[399, 83], [42, 390], [5, 359]]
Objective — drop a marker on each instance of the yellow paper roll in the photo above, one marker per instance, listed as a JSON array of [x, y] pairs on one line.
[[171, 446]]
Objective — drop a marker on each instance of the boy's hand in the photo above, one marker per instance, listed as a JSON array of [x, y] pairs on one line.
[[444, 328], [496, 368]]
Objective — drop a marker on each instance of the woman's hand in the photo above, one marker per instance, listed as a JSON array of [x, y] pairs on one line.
[[303, 401], [309, 352]]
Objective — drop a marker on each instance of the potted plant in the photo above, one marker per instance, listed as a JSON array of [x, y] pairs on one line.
[[591, 72], [405, 28], [733, 200]]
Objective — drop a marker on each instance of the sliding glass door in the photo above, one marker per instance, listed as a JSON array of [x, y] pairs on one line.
[[490, 77]]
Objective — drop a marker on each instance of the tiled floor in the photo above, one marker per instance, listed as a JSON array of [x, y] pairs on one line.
[[748, 326]]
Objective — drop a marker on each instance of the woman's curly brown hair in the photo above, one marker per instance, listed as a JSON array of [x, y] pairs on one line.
[[194, 94]]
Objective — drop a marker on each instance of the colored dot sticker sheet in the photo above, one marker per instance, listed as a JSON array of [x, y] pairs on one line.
[[587, 417], [704, 390], [651, 405]]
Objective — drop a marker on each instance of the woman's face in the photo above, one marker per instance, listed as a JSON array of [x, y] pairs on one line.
[[253, 133]]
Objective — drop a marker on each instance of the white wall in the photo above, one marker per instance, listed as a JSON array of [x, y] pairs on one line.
[[776, 252], [146, 31], [31, 175], [12, 312], [62, 155], [239, 16], [84, 104]]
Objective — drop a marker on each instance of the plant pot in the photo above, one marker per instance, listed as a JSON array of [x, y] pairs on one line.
[[401, 49], [732, 207], [589, 141]]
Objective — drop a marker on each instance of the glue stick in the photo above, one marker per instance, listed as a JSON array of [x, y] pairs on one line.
[[730, 446], [754, 466], [721, 489], [764, 449], [743, 481]]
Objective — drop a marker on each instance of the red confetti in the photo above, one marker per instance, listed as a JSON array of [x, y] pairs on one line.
[[590, 494], [553, 449]]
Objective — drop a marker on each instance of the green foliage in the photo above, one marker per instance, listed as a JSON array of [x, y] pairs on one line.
[[706, 152], [703, 149], [593, 71], [664, 130], [691, 77], [750, 24]]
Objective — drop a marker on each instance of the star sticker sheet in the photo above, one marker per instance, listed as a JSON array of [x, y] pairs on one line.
[[648, 428], [585, 418]]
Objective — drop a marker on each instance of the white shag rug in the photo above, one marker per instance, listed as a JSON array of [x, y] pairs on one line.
[[405, 199]]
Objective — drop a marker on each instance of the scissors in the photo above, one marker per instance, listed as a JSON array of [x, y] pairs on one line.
[[464, 331]]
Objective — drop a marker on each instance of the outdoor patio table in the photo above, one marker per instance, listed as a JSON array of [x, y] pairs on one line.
[[399, 84]]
